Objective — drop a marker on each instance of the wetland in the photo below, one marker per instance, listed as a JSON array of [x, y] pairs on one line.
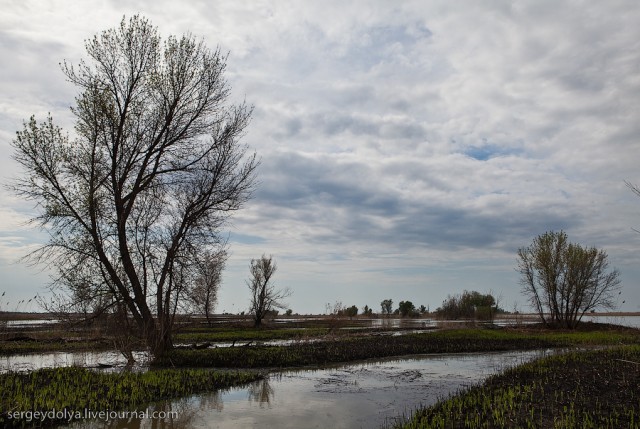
[[315, 373]]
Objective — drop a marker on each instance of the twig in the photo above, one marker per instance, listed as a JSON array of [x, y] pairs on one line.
[[629, 361]]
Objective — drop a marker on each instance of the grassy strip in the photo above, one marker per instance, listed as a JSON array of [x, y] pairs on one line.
[[239, 334], [357, 348], [351, 348], [76, 389], [25, 347], [221, 334], [557, 338], [594, 389]]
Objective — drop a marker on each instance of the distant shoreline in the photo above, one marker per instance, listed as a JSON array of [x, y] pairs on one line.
[[11, 315]]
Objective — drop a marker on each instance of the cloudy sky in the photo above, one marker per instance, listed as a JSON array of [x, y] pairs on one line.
[[408, 148]]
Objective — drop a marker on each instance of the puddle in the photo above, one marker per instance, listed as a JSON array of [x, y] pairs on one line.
[[107, 360], [28, 323], [362, 395]]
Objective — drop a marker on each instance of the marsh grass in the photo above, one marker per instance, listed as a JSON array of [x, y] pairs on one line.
[[350, 348], [78, 388], [27, 347], [222, 334], [344, 349], [586, 389]]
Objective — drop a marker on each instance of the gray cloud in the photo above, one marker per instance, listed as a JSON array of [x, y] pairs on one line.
[[362, 203], [421, 139]]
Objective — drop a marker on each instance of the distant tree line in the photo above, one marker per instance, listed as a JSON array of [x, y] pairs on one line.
[[469, 305]]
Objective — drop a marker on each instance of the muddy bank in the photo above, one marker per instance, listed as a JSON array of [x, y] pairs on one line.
[[586, 389]]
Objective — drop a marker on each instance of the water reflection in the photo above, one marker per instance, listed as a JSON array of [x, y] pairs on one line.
[[211, 401], [364, 394], [107, 360], [178, 414], [117, 361], [187, 412], [260, 392]]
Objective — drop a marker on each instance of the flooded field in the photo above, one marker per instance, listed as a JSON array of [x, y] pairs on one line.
[[104, 360], [113, 360], [348, 395], [630, 321], [362, 395]]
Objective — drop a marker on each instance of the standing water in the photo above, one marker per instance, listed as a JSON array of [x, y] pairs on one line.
[[109, 359], [362, 395]]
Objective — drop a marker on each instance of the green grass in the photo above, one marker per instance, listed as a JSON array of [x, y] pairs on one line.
[[78, 388], [559, 338], [588, 389]]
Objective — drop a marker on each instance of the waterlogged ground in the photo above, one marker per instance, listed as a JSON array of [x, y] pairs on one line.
[[115, 360], [106, 360], [362, 395]]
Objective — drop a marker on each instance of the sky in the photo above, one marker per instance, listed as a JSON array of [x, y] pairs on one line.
[[408, 149]]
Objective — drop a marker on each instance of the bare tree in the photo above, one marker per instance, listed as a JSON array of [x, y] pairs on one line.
[[264, 295], [153, 171], [204, 295], [564, 280]]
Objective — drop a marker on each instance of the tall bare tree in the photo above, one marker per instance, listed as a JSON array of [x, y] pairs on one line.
[[264, 295], [152, 172], [204, 295], [564, 280]]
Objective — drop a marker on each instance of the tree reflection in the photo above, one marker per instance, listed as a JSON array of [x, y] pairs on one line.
[[212, 401], [178, 414], [261, 392]]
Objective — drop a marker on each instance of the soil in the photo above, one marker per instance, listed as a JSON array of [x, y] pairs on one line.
[[594, 389]]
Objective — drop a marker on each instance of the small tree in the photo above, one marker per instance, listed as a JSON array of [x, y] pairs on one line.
[[563, 280], [387, 306], [406, 308], [204, 295], [468, 305], [264, 296], [352, 311], [367, 311]]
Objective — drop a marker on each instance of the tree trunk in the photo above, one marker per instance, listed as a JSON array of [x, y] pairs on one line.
[[159, 339]]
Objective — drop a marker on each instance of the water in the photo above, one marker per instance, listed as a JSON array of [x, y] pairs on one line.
[[347, 396], [116, 360], [28, 323], [362, 395], [111, 360], [630, 321]]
